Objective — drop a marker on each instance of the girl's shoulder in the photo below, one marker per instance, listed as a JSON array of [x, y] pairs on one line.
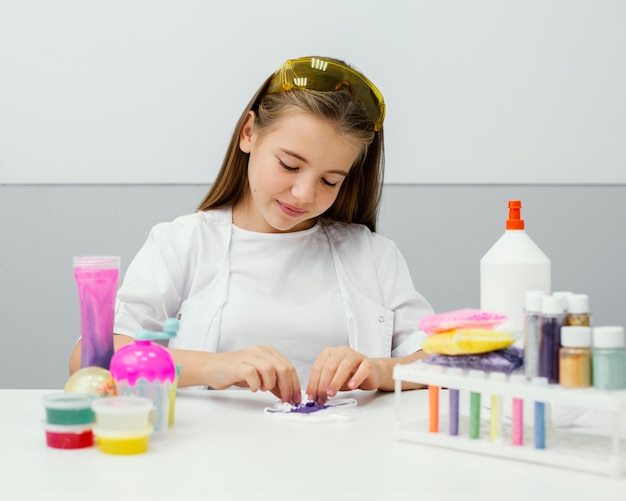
[[192, 230], [352, 235], [197, 221]]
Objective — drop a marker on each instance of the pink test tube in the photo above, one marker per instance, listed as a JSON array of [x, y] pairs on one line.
[[518, 412]]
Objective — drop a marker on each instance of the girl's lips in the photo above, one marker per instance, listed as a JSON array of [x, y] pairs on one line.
[[290, 210]]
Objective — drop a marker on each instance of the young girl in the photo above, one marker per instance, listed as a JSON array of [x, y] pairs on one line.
[[279, 279]]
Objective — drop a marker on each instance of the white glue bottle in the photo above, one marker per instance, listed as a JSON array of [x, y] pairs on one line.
[[513, 265]]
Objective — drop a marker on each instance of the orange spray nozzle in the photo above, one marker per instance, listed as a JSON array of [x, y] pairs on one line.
[[515, 222]]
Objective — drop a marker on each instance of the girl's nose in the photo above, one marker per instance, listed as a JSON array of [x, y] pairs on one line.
[[304, 190]]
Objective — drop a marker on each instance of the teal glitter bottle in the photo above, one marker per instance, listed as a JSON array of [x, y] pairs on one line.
[[608, 363]]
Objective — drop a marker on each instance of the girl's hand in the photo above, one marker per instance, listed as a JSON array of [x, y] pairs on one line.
[[342, 368], [258, 368]]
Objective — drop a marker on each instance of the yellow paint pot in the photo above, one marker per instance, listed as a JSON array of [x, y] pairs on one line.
[[123, 442]]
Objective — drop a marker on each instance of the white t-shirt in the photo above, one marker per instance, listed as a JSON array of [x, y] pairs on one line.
[[283, 292], [183, 270]]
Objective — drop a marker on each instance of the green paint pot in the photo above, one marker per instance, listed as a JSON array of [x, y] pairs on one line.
[[69, 408]]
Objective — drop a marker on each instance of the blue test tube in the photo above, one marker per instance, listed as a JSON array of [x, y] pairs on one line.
[[540, 416]]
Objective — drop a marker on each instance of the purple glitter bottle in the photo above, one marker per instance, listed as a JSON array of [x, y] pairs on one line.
[[552, 319]]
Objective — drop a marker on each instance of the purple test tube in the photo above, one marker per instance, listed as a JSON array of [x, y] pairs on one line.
[[97, 279]]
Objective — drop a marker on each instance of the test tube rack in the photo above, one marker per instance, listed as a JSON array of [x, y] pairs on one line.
[[566, 448]]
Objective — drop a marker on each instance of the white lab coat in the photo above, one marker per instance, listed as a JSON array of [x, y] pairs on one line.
[[183, 271]]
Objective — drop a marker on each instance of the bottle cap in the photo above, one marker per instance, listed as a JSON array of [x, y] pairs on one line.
[[515, 222], [578, 303], [553, 305], [608, 337], [562, 293], [533, 300], [576, 336]]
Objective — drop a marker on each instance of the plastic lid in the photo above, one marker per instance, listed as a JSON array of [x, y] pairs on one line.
[[533, 300], [68, 400], [170, 328], [67, 428], [98, 262], [123, 434], [578, 303], [122, 405], [609, 336], [576, 336], [553, 305]]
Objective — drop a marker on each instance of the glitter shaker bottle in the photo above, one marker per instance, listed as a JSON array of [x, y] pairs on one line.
[[608, 358], [575, 356], [552, 320]]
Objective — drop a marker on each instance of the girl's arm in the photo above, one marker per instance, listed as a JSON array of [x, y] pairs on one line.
[[257, 367], [340, 368]]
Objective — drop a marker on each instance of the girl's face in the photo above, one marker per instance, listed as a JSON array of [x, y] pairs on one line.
[[295, 171]]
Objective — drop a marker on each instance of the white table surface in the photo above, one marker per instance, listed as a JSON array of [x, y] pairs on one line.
[[223, 446]]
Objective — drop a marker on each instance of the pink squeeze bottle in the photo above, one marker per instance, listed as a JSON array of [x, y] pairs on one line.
[[97, 278]]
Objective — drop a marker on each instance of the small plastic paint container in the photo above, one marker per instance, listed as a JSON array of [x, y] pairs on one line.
[[68, 436], [124, 442], [122, 413], [68, 408]]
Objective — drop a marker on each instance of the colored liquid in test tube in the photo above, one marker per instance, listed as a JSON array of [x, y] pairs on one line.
[[433, 406], [474, 431], [496, 409], [453, 406], [517, 426], [540, 416]]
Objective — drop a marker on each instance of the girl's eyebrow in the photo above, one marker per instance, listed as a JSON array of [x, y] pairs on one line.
[[304, 160]]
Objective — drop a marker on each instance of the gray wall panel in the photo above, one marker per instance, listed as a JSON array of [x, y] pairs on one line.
[[442, 230]]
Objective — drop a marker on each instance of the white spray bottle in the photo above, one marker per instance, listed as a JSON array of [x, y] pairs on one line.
[[513, 265]]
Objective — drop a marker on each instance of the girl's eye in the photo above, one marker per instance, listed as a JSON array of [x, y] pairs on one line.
[[294, 169], [287, 167]]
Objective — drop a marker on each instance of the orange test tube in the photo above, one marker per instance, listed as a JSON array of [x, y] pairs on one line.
[[433, 406]]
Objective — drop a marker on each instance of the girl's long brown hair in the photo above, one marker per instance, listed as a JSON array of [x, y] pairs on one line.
[[358, 199]]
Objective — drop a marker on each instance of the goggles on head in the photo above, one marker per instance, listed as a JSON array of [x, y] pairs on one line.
[[325, 75]]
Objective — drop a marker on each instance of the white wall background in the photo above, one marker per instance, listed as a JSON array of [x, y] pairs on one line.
[[148, 91], [114, 116]]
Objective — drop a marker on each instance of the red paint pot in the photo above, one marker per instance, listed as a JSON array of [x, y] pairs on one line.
[[69, 437]]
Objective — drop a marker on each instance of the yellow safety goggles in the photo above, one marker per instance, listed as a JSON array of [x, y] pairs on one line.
[[325, 75]]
